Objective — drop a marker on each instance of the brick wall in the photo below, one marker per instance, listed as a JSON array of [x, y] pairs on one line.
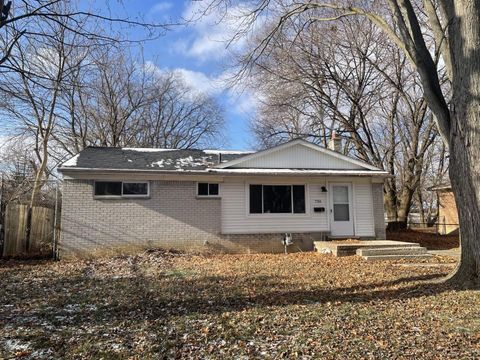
[[378, 211], [171, 218]]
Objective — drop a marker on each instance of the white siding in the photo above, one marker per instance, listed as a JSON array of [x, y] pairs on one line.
[[363, 207], [237, 220], [298, 157]]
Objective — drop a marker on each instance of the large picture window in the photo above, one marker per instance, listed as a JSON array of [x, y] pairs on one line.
[[121, 189], [277, 199]]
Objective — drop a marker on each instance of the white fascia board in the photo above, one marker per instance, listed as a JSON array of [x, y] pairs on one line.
[[233, 172], [296, 172]]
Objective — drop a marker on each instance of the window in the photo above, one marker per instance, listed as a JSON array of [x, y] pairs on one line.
[[207, 189], [108, 188], [341, 207], [277, 199], [135, 189], [121, 189]]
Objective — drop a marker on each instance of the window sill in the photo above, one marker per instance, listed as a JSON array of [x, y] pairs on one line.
[[119, 197], [202, 197], [278, 215]]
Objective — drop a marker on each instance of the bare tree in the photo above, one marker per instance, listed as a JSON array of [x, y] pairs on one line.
[[311, 88], [453, 26], [43, 65], [117, 100], [19, 19], [179, 117]]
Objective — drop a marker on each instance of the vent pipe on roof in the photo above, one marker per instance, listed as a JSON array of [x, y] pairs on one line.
[[335, 142]]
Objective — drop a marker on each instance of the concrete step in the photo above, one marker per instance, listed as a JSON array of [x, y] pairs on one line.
[[348, 248], [396, 257], [397, 250]]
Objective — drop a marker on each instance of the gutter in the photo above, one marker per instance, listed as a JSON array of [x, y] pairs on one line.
[[231, 172]]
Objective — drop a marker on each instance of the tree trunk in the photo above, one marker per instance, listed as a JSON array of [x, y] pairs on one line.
[[464, 170], [464, 143]]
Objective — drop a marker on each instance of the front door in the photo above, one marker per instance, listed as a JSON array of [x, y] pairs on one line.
[[341, 219]]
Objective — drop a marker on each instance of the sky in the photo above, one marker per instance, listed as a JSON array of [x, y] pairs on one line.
[[198, 51]]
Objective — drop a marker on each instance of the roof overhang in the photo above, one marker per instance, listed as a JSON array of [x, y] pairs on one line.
[[230, 172]]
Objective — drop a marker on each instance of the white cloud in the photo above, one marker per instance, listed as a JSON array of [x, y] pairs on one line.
[[240, 98], [200, 81], [160, 7], [212, 31]]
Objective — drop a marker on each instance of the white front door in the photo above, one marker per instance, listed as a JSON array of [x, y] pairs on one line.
[[341, 219]]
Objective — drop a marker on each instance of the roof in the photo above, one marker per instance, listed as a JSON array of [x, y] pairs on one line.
[[148, 159], [215, 162]]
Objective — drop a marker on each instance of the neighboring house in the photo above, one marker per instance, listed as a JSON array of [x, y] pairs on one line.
[[447, 210], [121, 198]]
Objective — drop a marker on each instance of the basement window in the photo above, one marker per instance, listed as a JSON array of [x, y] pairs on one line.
[[118, 189], [277, 199], [207, 189]]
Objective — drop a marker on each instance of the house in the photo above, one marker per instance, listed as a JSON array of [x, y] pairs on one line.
[[212, 200], [447, 210]]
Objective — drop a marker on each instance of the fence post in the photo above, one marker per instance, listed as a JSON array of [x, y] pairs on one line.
[[54, 246]]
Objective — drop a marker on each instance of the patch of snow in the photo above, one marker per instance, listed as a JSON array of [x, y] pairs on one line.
[[41, 354], [148, 149], [184, 161], [70, 308], [15, 345], [129, 160], [161, 163], [72, 162], [190, 161], [117, 347], [226, 152], [325, 251]]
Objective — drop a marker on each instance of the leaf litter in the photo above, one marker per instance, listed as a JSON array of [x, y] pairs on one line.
[[162, 304]]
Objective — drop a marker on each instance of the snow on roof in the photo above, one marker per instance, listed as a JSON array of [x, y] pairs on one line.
[[227, 152], [72, 162], [147, 149]]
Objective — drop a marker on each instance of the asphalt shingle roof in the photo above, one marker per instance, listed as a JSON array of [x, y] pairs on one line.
[[149, 159]]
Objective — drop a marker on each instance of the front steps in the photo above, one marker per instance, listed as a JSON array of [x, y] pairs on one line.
[[372, 250], [393, 253]]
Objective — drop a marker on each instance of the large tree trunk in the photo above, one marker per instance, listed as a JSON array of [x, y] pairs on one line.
[[464, 170], [464, 33]]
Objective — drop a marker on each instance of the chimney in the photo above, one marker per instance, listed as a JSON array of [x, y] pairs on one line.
[[335, 142]]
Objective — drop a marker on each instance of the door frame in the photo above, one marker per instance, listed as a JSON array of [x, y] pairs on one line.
[[330, 185]]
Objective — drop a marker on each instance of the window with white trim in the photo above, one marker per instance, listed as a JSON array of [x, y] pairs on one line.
[[207, 189], [277, 199], [124, 189]]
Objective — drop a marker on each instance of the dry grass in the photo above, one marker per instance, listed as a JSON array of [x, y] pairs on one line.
[[163, 305]]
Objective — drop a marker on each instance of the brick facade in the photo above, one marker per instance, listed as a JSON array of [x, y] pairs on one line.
[[172, 217], [378, 211]]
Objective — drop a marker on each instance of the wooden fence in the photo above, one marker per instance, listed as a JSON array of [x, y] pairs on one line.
[[41, 232]]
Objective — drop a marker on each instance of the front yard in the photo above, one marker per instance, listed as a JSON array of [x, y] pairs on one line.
[[167, 305]]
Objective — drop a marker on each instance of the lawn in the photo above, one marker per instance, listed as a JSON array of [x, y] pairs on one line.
[[171, 305]]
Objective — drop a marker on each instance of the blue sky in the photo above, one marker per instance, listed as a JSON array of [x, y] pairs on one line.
[[198, 51]]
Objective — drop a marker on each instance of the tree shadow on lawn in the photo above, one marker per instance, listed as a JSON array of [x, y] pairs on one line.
[[153, 298]]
